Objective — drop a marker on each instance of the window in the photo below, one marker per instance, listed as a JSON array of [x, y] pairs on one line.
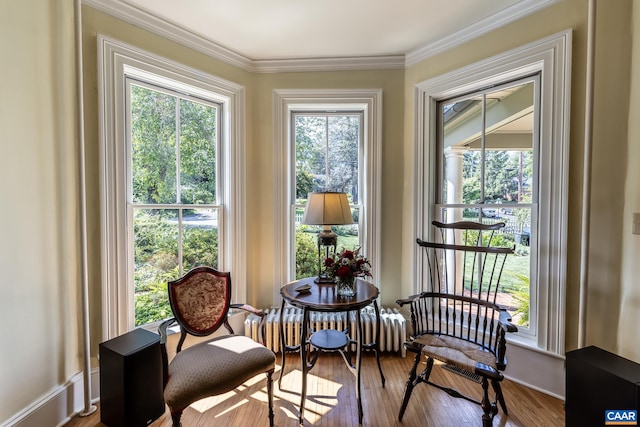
[[173, 204], [327, 158], [487, 145], [325, 141], [172, 181], [492, 142]]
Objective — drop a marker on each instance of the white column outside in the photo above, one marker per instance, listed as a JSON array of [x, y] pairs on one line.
[[453, 176]]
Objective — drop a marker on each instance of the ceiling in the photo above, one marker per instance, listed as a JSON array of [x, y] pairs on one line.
[[258, 30]]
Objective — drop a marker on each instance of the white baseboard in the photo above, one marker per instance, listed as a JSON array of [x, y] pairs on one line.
[[58, 406], [536, 369]]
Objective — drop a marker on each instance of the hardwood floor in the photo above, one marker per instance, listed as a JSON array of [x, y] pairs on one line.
[[331, 400]]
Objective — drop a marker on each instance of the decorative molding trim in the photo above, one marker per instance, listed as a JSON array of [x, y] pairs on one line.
[[144, 20], [329, 64], [504, 17], [126, 12]]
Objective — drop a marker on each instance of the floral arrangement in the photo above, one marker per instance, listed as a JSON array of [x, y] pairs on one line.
[[348, 265]]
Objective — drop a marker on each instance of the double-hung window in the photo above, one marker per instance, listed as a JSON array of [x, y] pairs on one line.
[[487, 145], [173, 204], [328, 147], [325, 141]]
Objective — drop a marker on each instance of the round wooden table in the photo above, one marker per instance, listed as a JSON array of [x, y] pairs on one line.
[[323, 297]]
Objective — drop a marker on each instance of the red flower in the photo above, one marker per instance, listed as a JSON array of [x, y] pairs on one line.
[[347, 254], [344, 271], [328, 262]]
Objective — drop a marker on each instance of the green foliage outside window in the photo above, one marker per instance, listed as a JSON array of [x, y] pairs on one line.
[[156, 259], [520, 293], [306, 254]]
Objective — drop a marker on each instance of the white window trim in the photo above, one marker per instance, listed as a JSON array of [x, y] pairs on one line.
[[552, 58], [286, 101], [114, 60]]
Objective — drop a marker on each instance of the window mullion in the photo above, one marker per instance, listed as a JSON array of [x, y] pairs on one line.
[[483, 157], [327, 182]]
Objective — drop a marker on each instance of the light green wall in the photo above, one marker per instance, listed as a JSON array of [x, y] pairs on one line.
[[610, 124], [38, 221]]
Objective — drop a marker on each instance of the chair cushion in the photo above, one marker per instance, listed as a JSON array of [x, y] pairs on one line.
[[458, 352], [214, 367]]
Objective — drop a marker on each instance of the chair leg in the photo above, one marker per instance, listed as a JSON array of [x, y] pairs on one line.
[[489, 409], [270, 396], [413, 380], [500, 396], [175, 417]]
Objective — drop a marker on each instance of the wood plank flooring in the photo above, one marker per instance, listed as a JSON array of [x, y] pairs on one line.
[[331, 400]]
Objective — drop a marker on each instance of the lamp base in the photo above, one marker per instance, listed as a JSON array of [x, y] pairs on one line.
[[324, 279]]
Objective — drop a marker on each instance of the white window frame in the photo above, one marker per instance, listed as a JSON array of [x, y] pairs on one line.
[[369, 101], [551, 58], [116, 60]]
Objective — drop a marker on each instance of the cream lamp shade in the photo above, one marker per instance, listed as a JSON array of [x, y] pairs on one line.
[[327, 208]]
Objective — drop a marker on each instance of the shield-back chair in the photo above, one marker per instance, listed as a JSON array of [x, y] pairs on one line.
[[200, 301], [456, 319]]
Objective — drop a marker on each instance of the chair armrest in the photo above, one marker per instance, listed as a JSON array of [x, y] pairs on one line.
[[250, 309], [261, 314], [162, 331], [505, 321], [403, 301], [505, 325]]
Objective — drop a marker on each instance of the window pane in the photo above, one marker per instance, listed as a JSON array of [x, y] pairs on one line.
[[343, 155], [311, 154], [153, 146], [514, 288], [155, 262], [462, 124], [509, 145], [200, 238], [198, 135]]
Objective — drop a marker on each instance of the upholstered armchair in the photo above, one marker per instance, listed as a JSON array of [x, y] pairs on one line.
[[200, 302]]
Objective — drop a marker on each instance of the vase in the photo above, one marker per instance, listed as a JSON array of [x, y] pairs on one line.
[[346, 286]]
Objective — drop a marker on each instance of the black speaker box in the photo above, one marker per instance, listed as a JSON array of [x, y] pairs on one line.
[[131, 380], [598, 381]]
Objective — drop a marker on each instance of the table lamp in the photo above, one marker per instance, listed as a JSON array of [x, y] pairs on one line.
[[326, 208]]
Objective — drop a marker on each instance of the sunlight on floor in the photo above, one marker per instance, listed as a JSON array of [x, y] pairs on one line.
[[322, 396]]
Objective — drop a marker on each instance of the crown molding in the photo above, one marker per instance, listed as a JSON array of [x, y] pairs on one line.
[[504, 17], [329, 64], [126, 12], [135, 16], [122, 10]]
